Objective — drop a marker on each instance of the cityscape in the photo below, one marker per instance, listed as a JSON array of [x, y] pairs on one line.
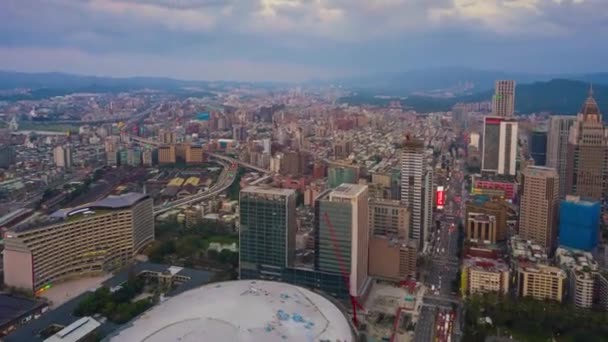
[[143, 199]]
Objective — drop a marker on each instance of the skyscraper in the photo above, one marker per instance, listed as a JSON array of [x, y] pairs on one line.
[[503, 102], [344, 243], [266, 232], [557, 147], [416, 189], [538, 147], [539, 205], [587, 155], [499, 146], [491, 140], [267, 238], [507, 148]]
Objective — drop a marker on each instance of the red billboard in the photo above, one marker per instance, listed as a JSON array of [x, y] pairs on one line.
[[440, 197]]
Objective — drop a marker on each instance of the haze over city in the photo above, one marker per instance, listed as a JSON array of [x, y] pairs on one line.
[[303, 170], [298, 40]]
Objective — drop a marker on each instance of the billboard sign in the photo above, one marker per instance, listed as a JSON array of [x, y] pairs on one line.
[[440, 197]]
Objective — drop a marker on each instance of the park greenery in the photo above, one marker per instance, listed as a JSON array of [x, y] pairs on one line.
[[119, 306], [527, 319], [177, 244]]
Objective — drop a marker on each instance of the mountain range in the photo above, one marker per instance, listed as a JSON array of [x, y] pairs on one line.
[[560, 93], [459, 81]]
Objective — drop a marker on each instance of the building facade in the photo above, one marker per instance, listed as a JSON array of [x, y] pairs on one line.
[[388, 218], [507, 148], [391, 258], [415, 180], [266, 231], [483, 275], [63, 156], [99, 237], [579, 223], [267, 241], [557, 147], [541, 282], [503, 101], [587, 157], [166, 154], [7, 156], [342, 234], [486, 219], [538, 210], [481, 227], [499, 150], [538, 147]]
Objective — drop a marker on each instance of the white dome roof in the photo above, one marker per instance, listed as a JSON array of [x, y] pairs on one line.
[[244, 310]]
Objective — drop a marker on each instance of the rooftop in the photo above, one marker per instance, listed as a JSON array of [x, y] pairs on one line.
[[347, 190], [12, 307], [572, 258], [76, 331], [241, 310], [110, 202], [264, 190], [543, 171], [486, 264]]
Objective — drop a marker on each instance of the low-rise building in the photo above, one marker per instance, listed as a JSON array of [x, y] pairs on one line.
[[541, 281], [391, 258], [583, 272], [482, 275]]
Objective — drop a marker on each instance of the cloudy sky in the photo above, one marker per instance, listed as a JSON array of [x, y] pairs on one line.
[[300, 39]]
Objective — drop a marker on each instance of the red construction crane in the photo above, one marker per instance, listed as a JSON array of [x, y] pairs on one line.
[[345, 274]]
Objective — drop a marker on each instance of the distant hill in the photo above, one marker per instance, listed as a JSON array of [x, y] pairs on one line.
[[451, 79], [558, 96], [44, 85]]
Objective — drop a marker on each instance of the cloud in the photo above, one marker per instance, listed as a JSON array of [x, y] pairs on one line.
[[321, 37], [125, 65]]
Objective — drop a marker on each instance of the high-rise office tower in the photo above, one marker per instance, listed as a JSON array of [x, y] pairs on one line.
[[416, 189], [63, 156], [587, 155], [507, 148], [266, 232], [557, 147], [344, 243], [539, 205], [503, 102], [499, 146], [538, 147]]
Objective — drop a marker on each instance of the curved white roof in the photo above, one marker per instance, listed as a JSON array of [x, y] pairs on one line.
[[243, 310]]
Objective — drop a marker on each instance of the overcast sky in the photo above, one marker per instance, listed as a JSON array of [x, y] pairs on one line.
[[295, 40]]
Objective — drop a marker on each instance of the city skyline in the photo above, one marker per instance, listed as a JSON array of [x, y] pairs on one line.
[[280, 40]]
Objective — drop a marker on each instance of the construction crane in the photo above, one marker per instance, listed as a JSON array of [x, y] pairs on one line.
[[346, 275]]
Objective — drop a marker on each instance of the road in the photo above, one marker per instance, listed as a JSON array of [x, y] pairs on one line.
[[442, 268]]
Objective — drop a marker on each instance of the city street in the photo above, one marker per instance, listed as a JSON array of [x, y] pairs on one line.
[[443, 264]]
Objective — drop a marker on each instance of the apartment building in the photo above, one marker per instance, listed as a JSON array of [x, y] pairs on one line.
[[541, 281], [482, 275], [92, 239]]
